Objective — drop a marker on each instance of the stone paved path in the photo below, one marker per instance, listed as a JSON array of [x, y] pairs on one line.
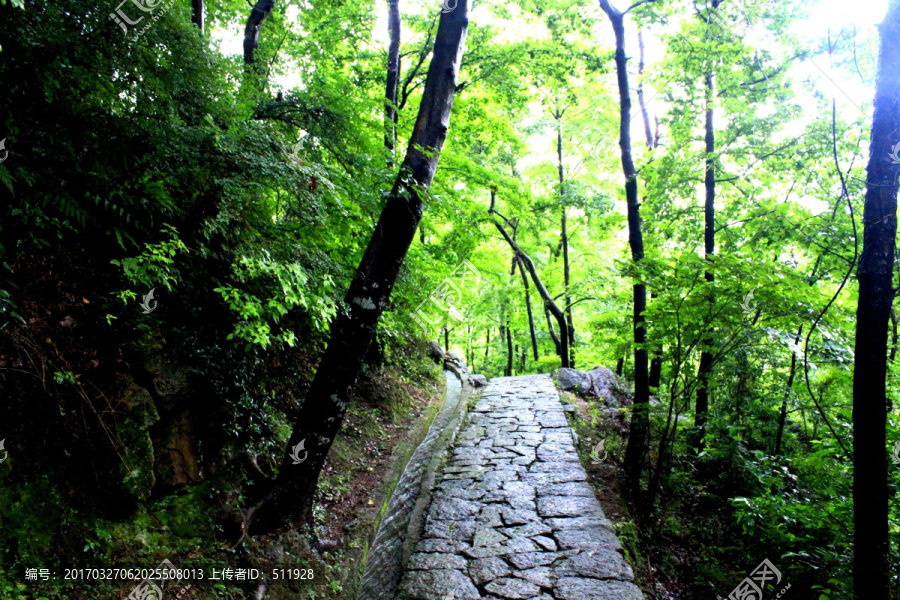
[[513, 517]]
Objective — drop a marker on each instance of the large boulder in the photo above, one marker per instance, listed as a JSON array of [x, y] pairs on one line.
[[599, 382], [456, 356], [604, 383], [573, 380], [478, 380], [436, 353]]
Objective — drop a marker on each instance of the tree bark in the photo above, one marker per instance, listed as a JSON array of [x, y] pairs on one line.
[[260, 11], [564, 241], [534, 344], [509, 350], [322, 412], [446, 340], [639, 437], [553, 335], [701, 408], [871, 565], [393, 81], [782, 417], [549, 304], [652, 142], [487, 344], [197, 14]]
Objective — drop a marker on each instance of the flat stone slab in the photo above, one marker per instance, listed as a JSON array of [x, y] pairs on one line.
[[514, 517]]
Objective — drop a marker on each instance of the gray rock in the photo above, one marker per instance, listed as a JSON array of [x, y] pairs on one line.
[[576, 588], [514, 589], [426, 562], [603, 563], [488, 537], [435, 352], [568, 506], [478, 381], [488, 569], [604, 384], [572, 379], [428, 585], [541, 576]]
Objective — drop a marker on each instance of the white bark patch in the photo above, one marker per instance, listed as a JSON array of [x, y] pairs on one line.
[[364, 302]]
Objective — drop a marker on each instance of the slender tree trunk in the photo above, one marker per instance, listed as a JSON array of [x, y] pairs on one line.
[[656, 368], [446, 340], [782, 417], [639, 437], [534, 344], [545, 296], [564, 241], [258, 14], [871, 564], [645, 115], [652, 142], [706, 357], [620, 367], [509, 350], [197, 14], [393, 81], [487, 344], [322, 412], [552, 331]]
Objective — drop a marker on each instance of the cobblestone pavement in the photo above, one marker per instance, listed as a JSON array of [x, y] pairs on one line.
[[513, 517]]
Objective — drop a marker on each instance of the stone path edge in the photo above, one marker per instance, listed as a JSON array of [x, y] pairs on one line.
[[404, 519]]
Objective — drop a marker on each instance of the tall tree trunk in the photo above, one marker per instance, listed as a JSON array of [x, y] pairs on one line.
[[652, 142], [552, 331], [487, 344], [564, 241], [534, 344], [260, 11], [549, 304], [446, 340], [701, 407], [871, 565], [782, 417], [197, 14], [509, 350], [655, 368], [322, 412], [620, 367], [639, 437], [393, 81]]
